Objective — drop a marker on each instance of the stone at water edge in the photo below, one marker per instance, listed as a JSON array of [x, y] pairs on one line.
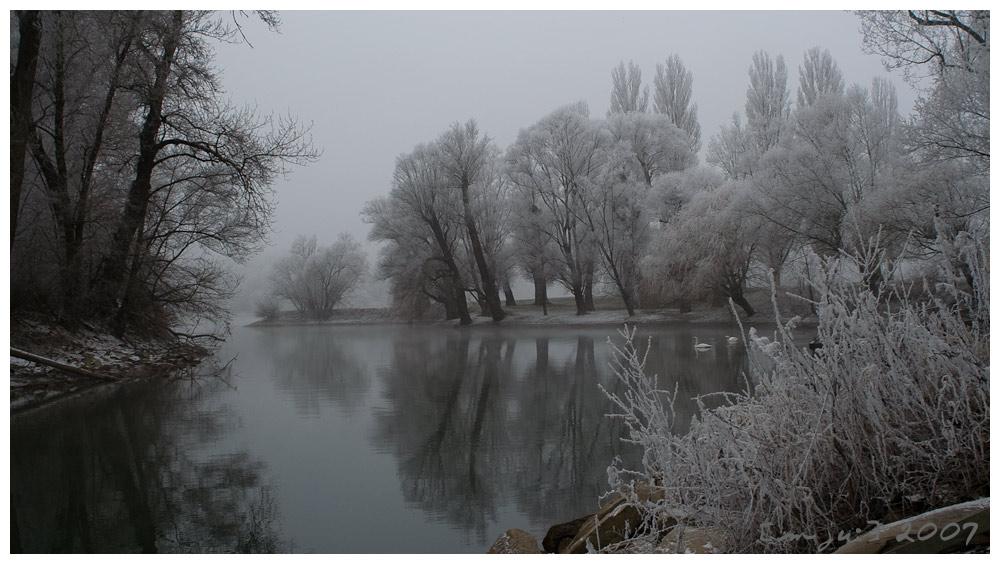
[[515, 541], [615, 522], [558, 538]]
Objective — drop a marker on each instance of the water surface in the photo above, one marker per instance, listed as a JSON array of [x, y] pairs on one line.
[[346, 439]]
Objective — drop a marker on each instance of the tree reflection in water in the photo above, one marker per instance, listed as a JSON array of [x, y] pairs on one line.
[[477, 421], [137, 471], [485, 429], [317, 367]]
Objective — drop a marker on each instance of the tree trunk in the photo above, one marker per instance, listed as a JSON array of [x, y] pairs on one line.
[[457, 288], [623, 289], [22, 82], [740, 301], [489, 282], [450, 306], [508, 295], [733, 288], [588, 286], [580, 300], [541, 290], [114, 266], [59, 365]]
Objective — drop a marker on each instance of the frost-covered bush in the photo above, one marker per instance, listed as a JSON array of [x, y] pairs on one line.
[[889, 418], [268, 308]]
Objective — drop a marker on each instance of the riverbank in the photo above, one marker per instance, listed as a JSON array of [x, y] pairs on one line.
[[561, 312], [55, 362]]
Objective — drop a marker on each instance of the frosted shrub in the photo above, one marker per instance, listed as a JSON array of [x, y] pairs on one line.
[[888, 419], [268, 308]]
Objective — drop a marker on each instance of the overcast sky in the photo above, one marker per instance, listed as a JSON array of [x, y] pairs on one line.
[[376, 84]]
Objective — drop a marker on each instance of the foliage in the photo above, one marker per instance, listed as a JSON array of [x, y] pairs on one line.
[[890, 416]]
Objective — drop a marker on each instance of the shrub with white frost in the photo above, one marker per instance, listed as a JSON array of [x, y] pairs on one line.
[[888, 419]]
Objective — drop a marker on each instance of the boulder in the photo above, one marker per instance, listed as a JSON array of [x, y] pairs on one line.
[[558, 538], [617, 521], [614, 523], [515, 541]]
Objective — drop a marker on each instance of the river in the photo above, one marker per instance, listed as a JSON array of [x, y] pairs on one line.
[[346, 439]]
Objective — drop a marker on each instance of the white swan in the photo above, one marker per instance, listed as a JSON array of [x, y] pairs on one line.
[[701, 346], [732, 340]]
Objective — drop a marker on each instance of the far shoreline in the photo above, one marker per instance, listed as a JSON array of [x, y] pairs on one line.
[[530, 316]]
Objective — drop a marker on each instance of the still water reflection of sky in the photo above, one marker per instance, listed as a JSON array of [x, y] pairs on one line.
[[346, 439]]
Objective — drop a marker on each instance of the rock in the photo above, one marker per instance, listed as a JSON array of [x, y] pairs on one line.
[[955, 528], [91, 362], [614, 523], [560, 536], [692, 541], [515, 541]]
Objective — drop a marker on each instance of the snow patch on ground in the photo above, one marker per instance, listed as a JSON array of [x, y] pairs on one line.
[[88, 348]]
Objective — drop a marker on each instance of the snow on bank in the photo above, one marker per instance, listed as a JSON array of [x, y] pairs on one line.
[[529, 316], [87, 348]]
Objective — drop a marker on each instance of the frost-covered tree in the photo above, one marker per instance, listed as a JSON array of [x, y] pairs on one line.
[[536, 252], [767, 105], [672, 98], [464, 158], [707, 248], [737, 149], [819, 76], [656, 145], [315, 279], [627, 93], [550, 164], [945, 55], [420, 207], [835, 164], [732, 151], [615, 212], [950, 48]]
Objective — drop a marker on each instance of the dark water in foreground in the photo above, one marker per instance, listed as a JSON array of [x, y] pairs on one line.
[[344, 439]]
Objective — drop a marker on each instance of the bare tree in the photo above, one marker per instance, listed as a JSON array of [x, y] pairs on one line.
[[819, 76], [551, 163], [627, 93], [951, 48], [186, 118], [316, 279], [419, 205], [911, 39], [615, 213], [68, 142], [767, 105], [672, 98], [732, 151], [144, 176], [464, 158], [22, 80]]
